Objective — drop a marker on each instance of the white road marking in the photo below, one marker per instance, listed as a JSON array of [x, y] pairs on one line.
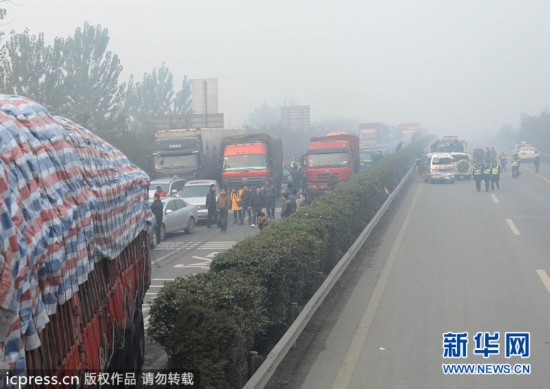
[[156, 286], [151, 293], [545, 279], [162, 279], [513, 227], [357, 343], [495, 199]]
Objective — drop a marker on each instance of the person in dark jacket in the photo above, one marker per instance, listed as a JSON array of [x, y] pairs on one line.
[[288, 207], [223, 205], [270, 196], [257, 204], [158, 210], [246, 198], [211, 206], [486, 175], [537, 161]]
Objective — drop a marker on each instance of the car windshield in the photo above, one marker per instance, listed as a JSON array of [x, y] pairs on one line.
[[173, 161], [527, 150], [195, 191], [325, 160]]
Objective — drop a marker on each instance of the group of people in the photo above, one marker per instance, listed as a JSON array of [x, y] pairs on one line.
[[247, 203], [489, 173]]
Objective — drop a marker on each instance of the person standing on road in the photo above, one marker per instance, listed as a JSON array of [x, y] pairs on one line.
[[223, 205], [236, 205], [493, 155], [262, 220], [537, 161], [257, 204], [160, 192], [211, 206], [477, 172], [246, 197], [487, 175], [515, 166], [495, 175], [270, 196], [158, 210]]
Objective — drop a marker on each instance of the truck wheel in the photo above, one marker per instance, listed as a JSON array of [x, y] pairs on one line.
[[162, 232], [190, 226], [140, 340]]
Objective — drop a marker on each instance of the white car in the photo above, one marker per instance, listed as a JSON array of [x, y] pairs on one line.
[[177, 215], [527, 153], [463, 165], [194, 192], [440, 167], [168, 185]]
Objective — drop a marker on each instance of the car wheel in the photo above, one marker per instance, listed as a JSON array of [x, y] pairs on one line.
[[190, 226], [153, 240], [162, 232]]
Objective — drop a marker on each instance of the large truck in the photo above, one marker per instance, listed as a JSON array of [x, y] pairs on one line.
[[251, 159], [74, 248], [409, 132], [336, 155], [189, 153], [371, 134]]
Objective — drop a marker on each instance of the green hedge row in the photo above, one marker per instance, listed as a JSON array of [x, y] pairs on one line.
[[209, 322]]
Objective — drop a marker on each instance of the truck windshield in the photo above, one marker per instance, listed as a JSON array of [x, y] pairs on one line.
[[323, 160], [175, 161], [244, 161]]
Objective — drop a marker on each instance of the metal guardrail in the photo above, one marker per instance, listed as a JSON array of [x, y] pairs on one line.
[[266, 370]]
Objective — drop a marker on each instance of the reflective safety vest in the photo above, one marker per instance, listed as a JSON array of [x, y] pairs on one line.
[[515, 162], [476, 171], [495, 170], [487, 170]]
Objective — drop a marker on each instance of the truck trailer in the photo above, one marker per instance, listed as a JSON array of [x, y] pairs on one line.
[[74, 247], [189, 153], [336, 155]]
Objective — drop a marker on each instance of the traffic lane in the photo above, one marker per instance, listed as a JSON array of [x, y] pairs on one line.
[[445, 278], [480, 284]]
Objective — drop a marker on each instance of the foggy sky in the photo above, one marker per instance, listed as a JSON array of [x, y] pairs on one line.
[[455, 66]]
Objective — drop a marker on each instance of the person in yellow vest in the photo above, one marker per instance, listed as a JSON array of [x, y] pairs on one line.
[[487, 175], [515, 166], [236, 205], [495, 175], [478, 175]]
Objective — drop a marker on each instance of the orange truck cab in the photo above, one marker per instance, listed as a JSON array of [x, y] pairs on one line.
[[251, 160], [337, 155]]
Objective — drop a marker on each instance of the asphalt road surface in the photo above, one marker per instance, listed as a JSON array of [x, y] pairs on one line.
[[450, 271]]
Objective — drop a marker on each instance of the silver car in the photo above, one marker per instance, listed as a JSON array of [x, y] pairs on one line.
[[177, 215], [194, 192]]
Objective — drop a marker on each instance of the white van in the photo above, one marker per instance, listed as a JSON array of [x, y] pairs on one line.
[[441, 167]]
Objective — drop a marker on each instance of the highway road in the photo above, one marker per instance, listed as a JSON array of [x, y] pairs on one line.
[[451, 277]]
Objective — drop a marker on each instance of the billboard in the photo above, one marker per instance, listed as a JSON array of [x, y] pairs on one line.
[[204, 96], [295, 117]]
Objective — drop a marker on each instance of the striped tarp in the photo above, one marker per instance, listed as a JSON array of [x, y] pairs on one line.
[[67, 200]]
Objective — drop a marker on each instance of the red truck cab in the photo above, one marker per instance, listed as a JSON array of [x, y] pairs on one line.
[[245, 163], [337, 155]]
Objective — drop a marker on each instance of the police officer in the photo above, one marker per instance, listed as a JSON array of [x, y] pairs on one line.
[[495, 175], [487, 175], [478, 175], [515, 166]]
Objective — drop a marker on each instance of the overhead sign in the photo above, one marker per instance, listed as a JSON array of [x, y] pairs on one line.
[[295, 117]]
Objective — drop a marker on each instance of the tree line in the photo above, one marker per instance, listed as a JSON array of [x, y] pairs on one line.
[[78, 77]]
